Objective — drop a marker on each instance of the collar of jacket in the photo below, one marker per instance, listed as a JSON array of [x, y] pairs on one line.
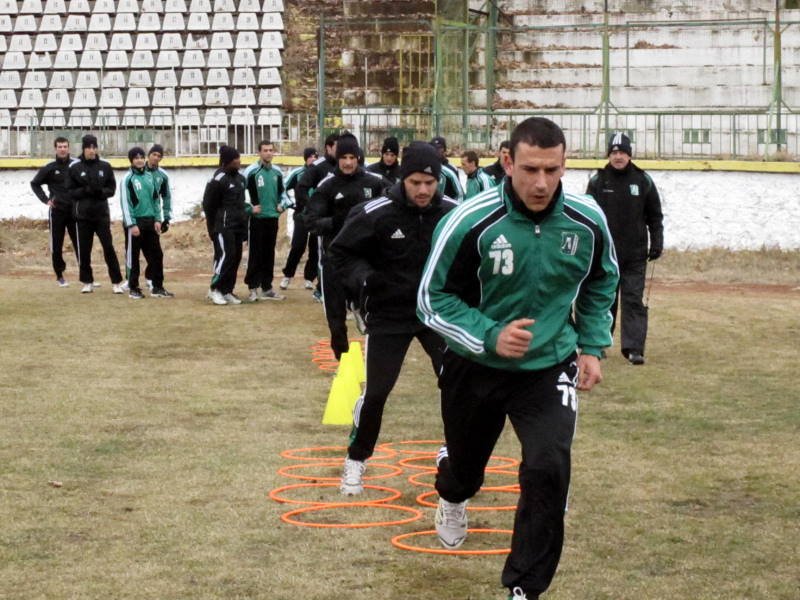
[[338, 172], [518, 207], [64, 161], [88, 160], [397, 194], [629, 168], [138, 171]]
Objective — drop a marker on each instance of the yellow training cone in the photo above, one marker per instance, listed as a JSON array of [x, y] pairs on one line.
[[345, 391], [354, 362]]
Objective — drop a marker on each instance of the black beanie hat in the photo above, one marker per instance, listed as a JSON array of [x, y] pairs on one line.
[[228, 154], [134, 152], [88, 141], [620, 141], [310, 151], [390, 144], [156, 148], [347, 144], [420, 157], [439, 142]]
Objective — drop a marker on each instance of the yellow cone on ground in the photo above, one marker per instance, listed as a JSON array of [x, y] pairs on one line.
[[345, 389], [355, 362]]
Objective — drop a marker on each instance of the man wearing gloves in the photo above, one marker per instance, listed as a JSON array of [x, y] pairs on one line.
[[90, 183], [388, 166], [348, 185], [378, 256], [632, 206]]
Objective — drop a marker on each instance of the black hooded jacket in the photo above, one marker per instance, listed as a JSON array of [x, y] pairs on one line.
[[90, 183], [391, 173], [54, 176], [224, 202], [310, 179], [380, 254]]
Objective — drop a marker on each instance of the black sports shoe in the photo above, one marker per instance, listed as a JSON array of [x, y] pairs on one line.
[[161, 293], [135, 294], [635, 358]]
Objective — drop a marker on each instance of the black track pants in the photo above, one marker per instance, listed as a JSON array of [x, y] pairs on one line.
[[261, 252], [148, 242], [384, 355], [542, 408], [300, 241], [633, 334], [227, 257], [86, 232], [61, 221]]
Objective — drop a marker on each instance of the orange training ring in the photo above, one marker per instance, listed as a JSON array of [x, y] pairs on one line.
[[397, 541], [289, 516]]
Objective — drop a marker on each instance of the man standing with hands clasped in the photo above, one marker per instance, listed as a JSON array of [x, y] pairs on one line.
[[519, 282]]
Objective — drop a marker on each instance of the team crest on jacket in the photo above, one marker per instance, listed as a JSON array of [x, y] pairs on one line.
[[569, 242], [634, 189], [367, 192]]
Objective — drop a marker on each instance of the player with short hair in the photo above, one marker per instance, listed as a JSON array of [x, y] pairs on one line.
[[496, 170], [477, 180]]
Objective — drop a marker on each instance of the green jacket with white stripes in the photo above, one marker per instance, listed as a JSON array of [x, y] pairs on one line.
[[478, 181], [494, 261], [163, 192], [138, 197], [265, 186]]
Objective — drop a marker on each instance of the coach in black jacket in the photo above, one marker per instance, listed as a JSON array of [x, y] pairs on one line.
[[379, 256], [90, 182], [632, 206]]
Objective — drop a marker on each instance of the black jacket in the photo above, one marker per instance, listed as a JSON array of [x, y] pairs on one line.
[[90, 183], [224, 202], [335, 196], [495, 170], [54, 176], [380, 254], [632, 206], [392, 174], [310, 179]]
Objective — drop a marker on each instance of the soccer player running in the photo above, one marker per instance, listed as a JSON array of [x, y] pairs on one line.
[[265, 186], [378, 255], [519, 282], [300, 238], [59, 203], [449, 182], [389, 165], [90, 183], [477, 180]]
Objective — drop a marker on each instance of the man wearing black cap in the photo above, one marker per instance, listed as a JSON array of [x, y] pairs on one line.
[[227, 213], [632, 206], [59, 205], [449, 182], [348, 185], [300, 237], [378, 256], [388, 165], [90, 183], [496, 170]]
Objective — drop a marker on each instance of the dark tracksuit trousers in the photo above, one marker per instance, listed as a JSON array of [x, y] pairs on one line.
[[59, 222], [542, 408], [148, 270], [633, 332], [227, 258], [87, 228], [301, 241], [384, 355], [263, 235], [148, 242]]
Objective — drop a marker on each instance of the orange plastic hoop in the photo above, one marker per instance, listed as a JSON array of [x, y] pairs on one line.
[[437, 443], [408, 463], [275, 494], [287, 471], [414, 479], [289, 516], [421, 499], [295, 454], [506, 463], [397, 541]]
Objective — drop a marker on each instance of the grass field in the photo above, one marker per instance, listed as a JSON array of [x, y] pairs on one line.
[[163, 420]]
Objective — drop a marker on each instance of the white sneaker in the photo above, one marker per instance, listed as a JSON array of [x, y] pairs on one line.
[[117, 288], [232, 298], [518, 594], [271, 294], [149, 283], [125, 286], [87, 288], [451, 523], [253, 297], [216, 297], [284, 285], [62, 282], [309, 285], [96, 285], [352, 478]]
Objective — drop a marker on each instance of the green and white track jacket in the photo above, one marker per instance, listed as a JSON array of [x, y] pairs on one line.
[[494, 261], [138, 197]]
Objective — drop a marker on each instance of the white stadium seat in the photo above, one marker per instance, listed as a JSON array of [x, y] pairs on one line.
[[84, 98], [272, 6], [91, 59], [217, 78], [243, 97], [10, 80], [149, 22], [244, 57], [31, 99], [164, 97], [200, 6], [249, 6], [217, 97], [76, 23], [272, 22], [196, 42], [165, 78], [3, 47], [272, 39], [79, 7], [48, 23], [152, 6], [175, 6], [247, 39], [55, 7], [115, 79], [27, 24], [137, 98], [57, 98], [5, 118], [190, 97], [116, 59], [87, 79], [218, 58], [270, 57], [215, 117], [224, 6], [8, 99], [5, 24], [269, 116], [40, 61], [223, 22], [104, 6], [14, 61], [35, 79], [146, 41], [171, 41], [198, 22], [121, 41], [193, 59], [134, 117], [173, 22], [26, 117], [111, 97], [53, 117], [128, 6], [124, 22], [80, 117], [107, 117], [191, 78], [9, 7], [140, 79], [142, 59], [187, 117], [270, 97], [71, 41], [45, 42], [65, 59], [221, 39], [242, 116], [244, 77], [62, 80], [21, 42], [160, 117], [100, 22], [168, 59], [96, 41], [31, 7], [247, 22]]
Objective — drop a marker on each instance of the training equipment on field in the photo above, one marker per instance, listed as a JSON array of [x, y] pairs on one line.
[[346, 388]]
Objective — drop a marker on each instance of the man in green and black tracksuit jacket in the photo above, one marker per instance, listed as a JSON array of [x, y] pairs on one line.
[[379, 255], [265, 186], [227, 213], [90, 183], [519, 282], [477, 180], [142, 218], [496, 170], [389, 165], [449, 182], [300, 237], [59, 203], [348, 185], [632, 206]]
